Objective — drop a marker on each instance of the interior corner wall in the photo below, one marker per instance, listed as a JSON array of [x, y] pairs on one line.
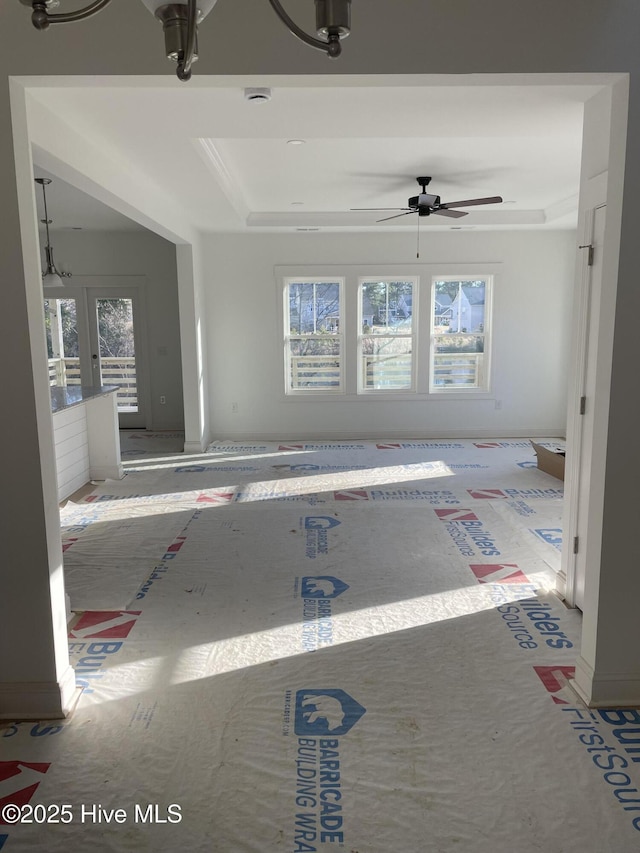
[[200, 285], [139, 253], [193, 278], [531, 336]]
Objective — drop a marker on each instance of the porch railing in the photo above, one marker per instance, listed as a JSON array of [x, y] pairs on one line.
[[315, 371], [458, 370], [115, 371], [386, 371], [450, 371]]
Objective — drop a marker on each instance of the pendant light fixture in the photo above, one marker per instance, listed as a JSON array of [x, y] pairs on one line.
[[180, 22], [50, 275]]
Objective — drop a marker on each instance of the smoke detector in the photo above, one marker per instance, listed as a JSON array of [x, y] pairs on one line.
[[255, 94]]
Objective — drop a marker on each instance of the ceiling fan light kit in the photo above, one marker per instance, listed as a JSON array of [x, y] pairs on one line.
[[180, 22]]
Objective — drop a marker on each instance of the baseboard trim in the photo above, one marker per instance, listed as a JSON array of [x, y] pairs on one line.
[[613, 690], [561, 584], [107, 472], [39, 700], [404, 435], [194, 447]]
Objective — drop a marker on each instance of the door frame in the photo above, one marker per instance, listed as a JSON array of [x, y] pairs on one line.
[[85, 288], [586, 301]]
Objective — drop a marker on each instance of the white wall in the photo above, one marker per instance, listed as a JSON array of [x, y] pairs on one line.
[[531, 331], [139, 253]]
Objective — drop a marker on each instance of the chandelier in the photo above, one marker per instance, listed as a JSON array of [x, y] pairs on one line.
[[180, 22]]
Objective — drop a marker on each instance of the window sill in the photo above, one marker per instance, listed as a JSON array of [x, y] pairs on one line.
[[387, 397]]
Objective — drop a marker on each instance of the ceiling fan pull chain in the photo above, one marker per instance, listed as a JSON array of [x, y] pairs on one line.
[[418, 249]]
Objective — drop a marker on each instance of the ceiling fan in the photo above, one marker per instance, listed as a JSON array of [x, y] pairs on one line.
[[425, 204]]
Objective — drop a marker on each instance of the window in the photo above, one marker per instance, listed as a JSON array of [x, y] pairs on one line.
[[459, 334], [382, 332], [314, 350], [386, 340]]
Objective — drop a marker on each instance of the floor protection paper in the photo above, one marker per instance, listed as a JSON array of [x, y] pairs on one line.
[[347, 647]]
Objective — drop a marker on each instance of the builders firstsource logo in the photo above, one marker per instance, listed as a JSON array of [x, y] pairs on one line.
[[413, 445], [486, 494], [294, 447], [499, 573], [19, 781], [611, 738], [114, 624], [530, 621], [468, 532]]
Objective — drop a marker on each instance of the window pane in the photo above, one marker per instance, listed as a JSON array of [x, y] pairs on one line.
[[387, 307], [458, 306], [458, 361], [314, 363], [314, 307], [117, 350], [386, 362], [459, 343], [62, 341]]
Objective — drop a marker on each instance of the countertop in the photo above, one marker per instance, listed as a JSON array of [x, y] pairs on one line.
[[63, 397]]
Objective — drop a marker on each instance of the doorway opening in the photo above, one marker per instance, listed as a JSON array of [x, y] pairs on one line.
[[95, 337]]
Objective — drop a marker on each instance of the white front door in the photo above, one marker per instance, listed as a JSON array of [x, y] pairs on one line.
[[115, 351]]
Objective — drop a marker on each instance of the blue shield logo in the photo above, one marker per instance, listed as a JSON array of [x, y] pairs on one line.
[[552, 535], [322, 586], [320, 522], [325, 712]]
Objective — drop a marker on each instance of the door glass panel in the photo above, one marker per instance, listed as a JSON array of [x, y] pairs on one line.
[[62, 341], [117, 350]]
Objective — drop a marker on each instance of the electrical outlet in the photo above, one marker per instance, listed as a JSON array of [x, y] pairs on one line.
[[234, 408], [163, 400], [498, 405]]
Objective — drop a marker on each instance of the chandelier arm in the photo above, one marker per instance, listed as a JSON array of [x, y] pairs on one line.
[[183, 70], [79, 15], [332, 46]]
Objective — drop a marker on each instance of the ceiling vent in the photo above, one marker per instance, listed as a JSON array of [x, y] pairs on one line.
[[253, 94]]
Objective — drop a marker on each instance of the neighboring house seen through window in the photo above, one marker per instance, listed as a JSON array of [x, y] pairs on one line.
[[459, 351]]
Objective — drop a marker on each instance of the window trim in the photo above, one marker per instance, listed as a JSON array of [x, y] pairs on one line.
[[349, 273]]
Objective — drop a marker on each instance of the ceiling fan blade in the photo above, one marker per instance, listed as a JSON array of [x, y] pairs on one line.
[[470, 202], [396, 216], [380, 208], [455, 214]]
